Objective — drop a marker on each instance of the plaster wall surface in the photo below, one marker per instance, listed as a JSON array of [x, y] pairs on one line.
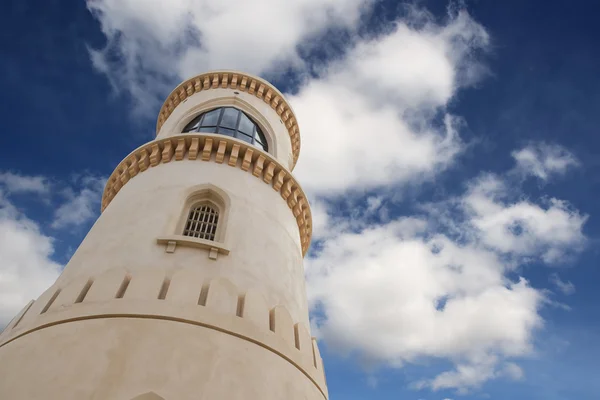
[[122, 358], [261, 232]]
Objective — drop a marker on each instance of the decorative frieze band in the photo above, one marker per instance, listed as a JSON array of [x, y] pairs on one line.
[[239, 81], [220, 149]]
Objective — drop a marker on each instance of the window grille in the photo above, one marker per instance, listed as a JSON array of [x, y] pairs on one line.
[[202, 222]]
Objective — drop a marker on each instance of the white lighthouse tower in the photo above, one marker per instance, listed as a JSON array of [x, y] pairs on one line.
[[190, 285]]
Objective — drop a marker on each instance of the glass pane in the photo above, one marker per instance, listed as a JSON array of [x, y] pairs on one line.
[[211, 129], [245, 138], [246, 125], [211, 118], [262, 146], [230, 117], [192, 125], [260, 138], [225, 131]]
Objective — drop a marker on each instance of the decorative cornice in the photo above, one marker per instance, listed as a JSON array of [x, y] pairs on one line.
[[220, 149], [150, 294], [239, 81]]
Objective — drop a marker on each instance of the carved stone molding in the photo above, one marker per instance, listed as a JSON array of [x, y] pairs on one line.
[[223, 150], [239, 81]]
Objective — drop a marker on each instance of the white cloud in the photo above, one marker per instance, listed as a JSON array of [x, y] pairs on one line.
[[16, 183], [81, 205], [567, 287], [522, 228], [82, 197], [373, 117], [437, 286], [370, 119], [396, 295], [472, 375], [163, 42], [320, 218], [465, 376], [513, 371], [352, 144], [543, 160], [26, 267]]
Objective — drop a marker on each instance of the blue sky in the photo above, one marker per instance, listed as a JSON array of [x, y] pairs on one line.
[[450, 151]]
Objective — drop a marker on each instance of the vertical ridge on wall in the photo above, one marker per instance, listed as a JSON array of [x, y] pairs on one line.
[[84, 291], [16, 320], [50, 301], [164, 289], [70, 293]]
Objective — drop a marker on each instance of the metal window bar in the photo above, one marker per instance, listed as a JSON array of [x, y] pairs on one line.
[[202, 222]]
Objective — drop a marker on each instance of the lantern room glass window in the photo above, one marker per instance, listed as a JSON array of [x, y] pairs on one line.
[[229, 121]]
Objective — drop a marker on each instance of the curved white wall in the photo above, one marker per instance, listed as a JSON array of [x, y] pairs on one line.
[[261, 232], [121, 358], [119, 334]]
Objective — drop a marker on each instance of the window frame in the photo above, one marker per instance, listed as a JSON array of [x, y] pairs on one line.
[[258, 138], [193, 208], [200, 194]]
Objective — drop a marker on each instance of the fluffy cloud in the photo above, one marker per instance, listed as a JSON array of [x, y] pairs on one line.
[[411, 288], [543, 160], [150, 41], [81, 205], [26, 253], [26, 267], [375, 116], [352, 144], [16, 183], [567, 287], [522, 228], [396, 295]]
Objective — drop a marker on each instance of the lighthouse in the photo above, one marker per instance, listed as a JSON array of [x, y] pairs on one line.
[[190, 285]]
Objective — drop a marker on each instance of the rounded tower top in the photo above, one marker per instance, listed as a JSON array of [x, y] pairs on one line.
[[237, 81]]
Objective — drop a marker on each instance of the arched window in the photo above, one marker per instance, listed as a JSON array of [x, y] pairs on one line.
[[231, 122], [202, 222]]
